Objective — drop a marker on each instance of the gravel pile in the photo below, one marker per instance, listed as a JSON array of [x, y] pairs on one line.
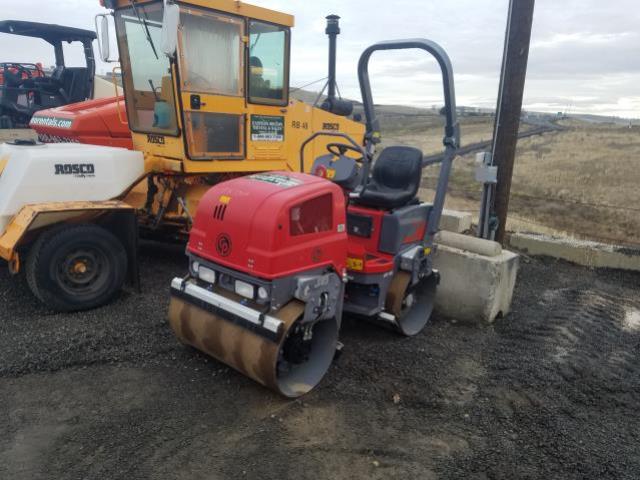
[[552, 391]]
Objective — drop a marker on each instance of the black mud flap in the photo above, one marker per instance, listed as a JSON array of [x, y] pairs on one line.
[[124, 225]]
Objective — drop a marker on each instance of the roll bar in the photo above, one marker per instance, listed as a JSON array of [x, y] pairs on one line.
[[452, 134], [451, 128]]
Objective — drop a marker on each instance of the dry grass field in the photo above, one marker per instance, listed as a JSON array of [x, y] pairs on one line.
[[425, 131], [586, 180], [583, 181]]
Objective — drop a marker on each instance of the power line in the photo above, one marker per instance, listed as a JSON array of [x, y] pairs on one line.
[[307, 85]]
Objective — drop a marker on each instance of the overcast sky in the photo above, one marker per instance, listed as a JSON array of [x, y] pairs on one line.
[[585, 54]]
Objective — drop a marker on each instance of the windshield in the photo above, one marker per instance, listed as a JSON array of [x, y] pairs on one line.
[[267, 63], [146, 70]]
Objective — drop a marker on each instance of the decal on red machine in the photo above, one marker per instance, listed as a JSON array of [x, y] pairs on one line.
[[52, 122], [276, 179], [223, 245], [46, 138]]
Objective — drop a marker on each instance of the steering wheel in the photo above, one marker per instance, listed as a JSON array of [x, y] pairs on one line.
[[338, 149]]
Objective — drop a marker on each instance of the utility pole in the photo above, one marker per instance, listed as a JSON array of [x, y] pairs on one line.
[[508, 111]]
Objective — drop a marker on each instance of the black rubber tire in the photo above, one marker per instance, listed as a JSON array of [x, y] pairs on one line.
[[46, 276]]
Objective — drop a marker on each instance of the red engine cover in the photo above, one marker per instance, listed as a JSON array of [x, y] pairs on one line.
[[95, 121], [272, 224]]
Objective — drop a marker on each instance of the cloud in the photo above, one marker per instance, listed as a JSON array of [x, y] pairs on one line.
[[583, 52], [584, 38]]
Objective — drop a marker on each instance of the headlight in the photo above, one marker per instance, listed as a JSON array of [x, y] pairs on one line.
[[206, 274], [262, 293], [194, 267], [243, 288]]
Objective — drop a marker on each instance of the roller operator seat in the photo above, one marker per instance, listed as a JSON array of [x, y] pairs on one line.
[[395, 179]]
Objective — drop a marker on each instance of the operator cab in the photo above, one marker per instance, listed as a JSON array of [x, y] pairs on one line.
[[207, 86], [225, 65], [26, 87]]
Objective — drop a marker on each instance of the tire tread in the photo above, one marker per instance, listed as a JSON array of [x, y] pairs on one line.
[[38, 254]]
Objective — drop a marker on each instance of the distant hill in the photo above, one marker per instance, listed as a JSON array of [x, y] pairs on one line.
[[603, 119], [405, 110]]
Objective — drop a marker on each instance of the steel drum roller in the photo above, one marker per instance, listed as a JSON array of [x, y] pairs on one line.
[[254, 355]]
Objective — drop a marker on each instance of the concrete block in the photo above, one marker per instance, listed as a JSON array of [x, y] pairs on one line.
[[488, 248], [581, 252], [474, 287], [454, 221]]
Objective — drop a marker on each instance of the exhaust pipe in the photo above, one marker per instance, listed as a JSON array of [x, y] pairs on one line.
[[332, 104], [332, 30]]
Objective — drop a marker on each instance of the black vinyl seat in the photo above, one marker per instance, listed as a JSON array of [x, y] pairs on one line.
[[395, 179]]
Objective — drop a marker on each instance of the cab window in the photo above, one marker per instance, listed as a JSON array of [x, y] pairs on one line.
[[211, 53], [147, 80], [268, 63], [312, 216]]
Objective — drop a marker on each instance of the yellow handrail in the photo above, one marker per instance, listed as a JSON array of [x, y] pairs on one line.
[[115, 85]]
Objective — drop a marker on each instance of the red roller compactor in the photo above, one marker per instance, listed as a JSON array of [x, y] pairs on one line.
[[277, 258]]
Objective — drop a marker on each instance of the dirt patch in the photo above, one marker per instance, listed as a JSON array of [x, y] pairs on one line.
[[551, 391]]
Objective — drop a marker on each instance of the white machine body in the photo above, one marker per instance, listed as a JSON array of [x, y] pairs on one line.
[[63, 172]]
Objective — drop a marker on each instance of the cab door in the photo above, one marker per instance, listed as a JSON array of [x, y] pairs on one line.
[[268, 90], [211, 54]]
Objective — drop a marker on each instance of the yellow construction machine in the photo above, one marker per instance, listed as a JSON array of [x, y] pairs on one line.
[[207, 96]]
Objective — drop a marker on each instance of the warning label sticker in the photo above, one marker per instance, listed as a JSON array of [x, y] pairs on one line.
[[276, 179], [267, 128]]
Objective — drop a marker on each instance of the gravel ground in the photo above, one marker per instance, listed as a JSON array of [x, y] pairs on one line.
[[551, 391]]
